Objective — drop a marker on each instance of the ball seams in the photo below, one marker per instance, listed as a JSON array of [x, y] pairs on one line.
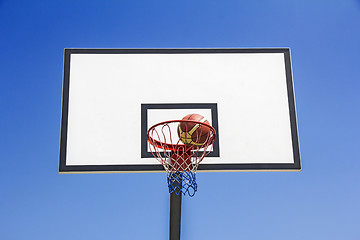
[[197, 134]]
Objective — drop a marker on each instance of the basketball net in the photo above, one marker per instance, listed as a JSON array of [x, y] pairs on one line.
[[180, 160]]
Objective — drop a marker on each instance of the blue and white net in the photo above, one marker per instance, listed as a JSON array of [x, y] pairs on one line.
[[182, 182], [180, 160]]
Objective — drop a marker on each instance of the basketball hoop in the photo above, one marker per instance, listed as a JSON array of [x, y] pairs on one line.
[[181, 154]]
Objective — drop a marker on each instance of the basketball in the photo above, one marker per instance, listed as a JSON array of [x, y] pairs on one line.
[[194, 133]]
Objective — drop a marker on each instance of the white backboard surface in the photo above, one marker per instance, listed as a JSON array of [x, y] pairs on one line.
[[112, 96]]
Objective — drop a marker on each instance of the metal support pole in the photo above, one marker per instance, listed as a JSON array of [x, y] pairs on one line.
[[175, 216]]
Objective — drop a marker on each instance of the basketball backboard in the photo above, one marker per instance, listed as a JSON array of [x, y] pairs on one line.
[[111, 97]]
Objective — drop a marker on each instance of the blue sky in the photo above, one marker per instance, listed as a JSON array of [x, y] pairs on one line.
[[321, 202]]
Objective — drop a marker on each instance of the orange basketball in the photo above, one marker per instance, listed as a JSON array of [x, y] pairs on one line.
[[194, 133]]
